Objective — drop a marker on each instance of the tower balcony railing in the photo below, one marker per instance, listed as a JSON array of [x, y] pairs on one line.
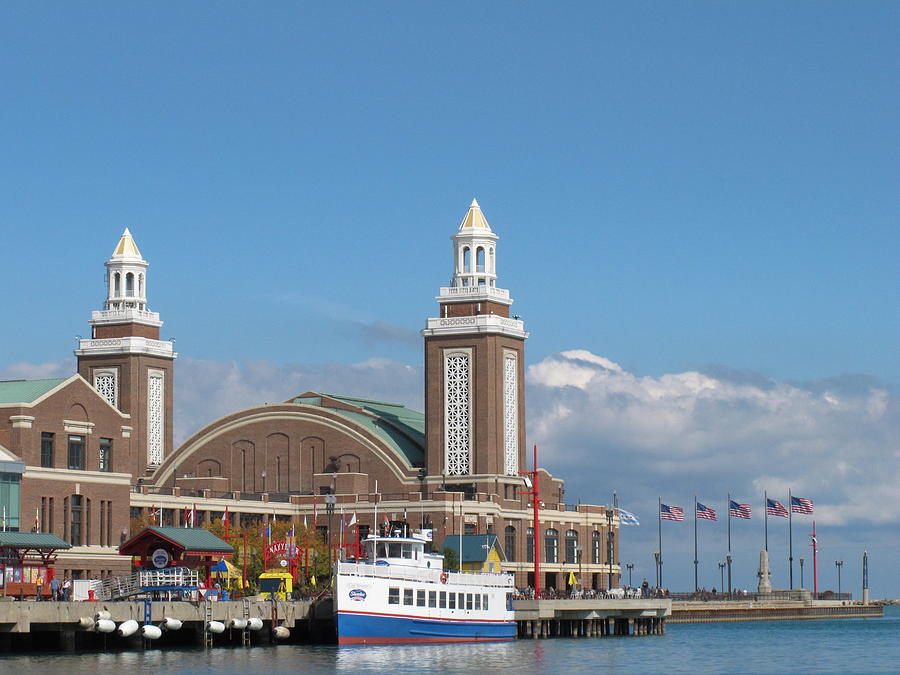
[[132, 345], [485, 322], [466, 291], [124, 314]]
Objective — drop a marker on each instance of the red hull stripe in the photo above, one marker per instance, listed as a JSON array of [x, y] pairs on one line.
[[425, 618], [414, 640]]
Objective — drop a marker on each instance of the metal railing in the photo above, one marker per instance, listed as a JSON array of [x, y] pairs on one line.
[[170, 578], [409, 573]]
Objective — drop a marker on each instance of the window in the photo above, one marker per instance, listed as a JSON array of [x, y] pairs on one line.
[[471, 528], [393, 596], [479, 259], [76, 452], [462, 601], [510, 543], [442, 599], [529, 545], [432, 598], [407, 596], [76, 506], [451, 601], [468, 601], [46, 450], [484, 602], [595, 547], [551, 546], [478, 601], [467, 259], [571, 547], [420, 598], [106, 454]]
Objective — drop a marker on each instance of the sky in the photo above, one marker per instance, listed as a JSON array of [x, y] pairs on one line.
[[697, 207]]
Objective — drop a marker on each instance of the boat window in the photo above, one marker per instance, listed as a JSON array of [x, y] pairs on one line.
[[382, 550], [407, 551], [484, 602], [462, 600], [452, 601], [407, 596], [468, 601], [420, 598], [478, 601], [393, 596], [432, 598], [394, 550], [442, 599]]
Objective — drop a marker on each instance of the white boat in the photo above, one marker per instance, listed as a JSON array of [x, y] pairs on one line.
[[399, 594]]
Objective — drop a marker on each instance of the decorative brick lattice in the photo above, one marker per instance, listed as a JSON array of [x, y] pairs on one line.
[[155, 420], [105, 384], [456, 414], [511, 415]]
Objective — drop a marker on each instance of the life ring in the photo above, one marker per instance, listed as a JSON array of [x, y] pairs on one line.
[[444, 577]]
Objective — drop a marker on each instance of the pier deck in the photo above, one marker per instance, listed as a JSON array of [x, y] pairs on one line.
[[590, 617]]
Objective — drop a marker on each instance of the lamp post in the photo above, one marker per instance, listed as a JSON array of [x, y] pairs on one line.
[[330, 499], [630, 567], [728, 565], [801, 572], [721, 577], [609, 548], [531, 481], [578, 550], [839, 564]]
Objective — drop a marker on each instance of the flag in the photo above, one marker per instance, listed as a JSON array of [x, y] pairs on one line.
[[352, 521], [801, 505], [627, 518], [671, 512], [705, 512], [572, 580], [184, 517], [37, 520], [268, 532], [312, 580], [776, 508], [736, 510]]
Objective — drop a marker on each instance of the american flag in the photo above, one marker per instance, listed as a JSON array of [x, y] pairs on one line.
[[736, 510], [671, 512], [705, 512], [776, 508], [801, 505]]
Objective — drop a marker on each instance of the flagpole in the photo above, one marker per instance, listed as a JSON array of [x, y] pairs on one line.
[[728, 553], [766, 515], [696, 582], [659, 549], [790, 541]]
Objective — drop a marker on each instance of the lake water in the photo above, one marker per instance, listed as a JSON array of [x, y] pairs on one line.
[[828, 646]]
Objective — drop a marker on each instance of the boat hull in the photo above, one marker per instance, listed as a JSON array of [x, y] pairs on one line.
[[359, 628]]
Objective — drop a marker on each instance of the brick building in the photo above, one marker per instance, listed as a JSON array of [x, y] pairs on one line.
[[455, 468]]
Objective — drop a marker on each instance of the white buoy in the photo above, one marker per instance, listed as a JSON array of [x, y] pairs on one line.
[[150, 631], [171, 624], [237, 623], [105, 626], [255, 623], [86, 622], [102, 614], [215, 626], [127, 628], [281, 633]]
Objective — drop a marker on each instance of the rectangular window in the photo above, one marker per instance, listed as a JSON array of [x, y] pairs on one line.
[[442, 599], [46, 450], [106, 454], [420, 598], [432, 598], [462, 600], [76, 452], [468, 601], [393, 596], [484, 602], [75, 518], [452, 601], [478, 601], [407, 596]]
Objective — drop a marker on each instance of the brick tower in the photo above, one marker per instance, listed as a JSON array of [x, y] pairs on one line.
[[474, 368], [127, 362]]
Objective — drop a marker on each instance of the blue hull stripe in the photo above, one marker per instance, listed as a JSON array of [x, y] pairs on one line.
[[368, 626]]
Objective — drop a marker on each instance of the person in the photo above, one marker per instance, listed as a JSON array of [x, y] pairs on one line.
[[39, 588], [54, 589], [645, 589], [67, 588]]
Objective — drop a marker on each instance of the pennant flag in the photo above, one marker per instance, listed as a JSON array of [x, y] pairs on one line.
[[671, 512], [801, 505], [736, 510], [352, 521], [776, 508], [268, 531], [705, 512], [627, 518], [572, 580], [312, 580]]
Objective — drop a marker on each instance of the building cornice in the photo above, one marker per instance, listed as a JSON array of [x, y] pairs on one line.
[[483, 323], [126, 345]]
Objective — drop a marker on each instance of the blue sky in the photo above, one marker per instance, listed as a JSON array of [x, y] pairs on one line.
[[705, 188]]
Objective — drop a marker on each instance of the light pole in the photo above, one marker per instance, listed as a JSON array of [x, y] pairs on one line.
[[839, 564], [728, 564], [330, 499], [801, 572], [630, 567], [721, 577], [578, 556], [609, 551]]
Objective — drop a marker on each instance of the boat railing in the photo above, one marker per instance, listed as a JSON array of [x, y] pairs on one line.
[[424, 574]]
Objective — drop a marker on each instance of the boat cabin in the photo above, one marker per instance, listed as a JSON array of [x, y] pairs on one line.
[[399, 546]]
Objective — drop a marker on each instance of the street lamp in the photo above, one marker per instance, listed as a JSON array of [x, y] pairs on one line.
[[578, 556], [609, 556], [839, 564], [801, 573], [728, 563], [630, 567], [722, 577]]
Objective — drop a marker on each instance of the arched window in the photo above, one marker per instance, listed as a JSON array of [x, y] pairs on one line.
[[529, 545], [571, 547], [479, 259], [595, 547], [551, 546], [467, 259], [76, 520], [129, 284], [510, 543], [117, 283]]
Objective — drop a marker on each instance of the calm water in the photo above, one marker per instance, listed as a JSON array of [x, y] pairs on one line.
[[834, 646]]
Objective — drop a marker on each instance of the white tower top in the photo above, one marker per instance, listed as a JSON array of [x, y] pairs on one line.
[[474, 252], [126, 281]]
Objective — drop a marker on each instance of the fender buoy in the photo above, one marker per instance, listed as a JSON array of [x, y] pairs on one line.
[[444, 577]]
